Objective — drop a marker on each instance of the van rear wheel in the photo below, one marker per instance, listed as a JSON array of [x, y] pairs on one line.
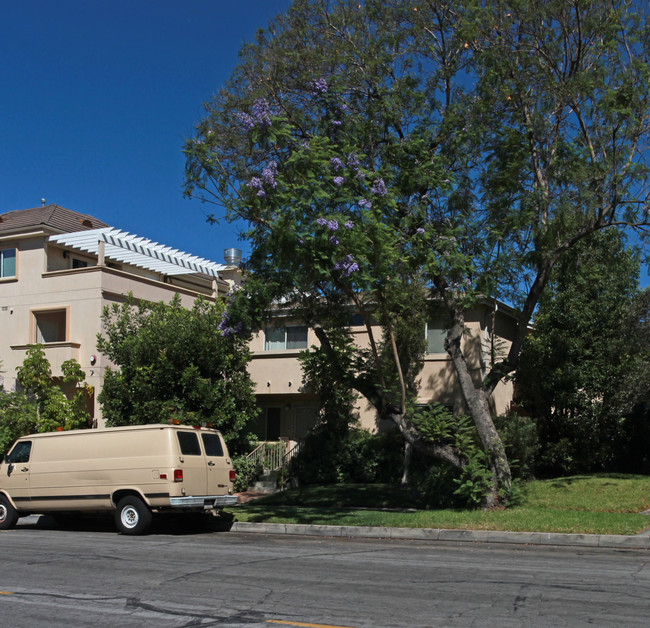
[[8, 514], [132, 516]]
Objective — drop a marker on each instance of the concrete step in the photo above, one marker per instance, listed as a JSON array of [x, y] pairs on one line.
[[266, 482]]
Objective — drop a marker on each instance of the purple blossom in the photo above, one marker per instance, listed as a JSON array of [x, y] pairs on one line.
[[347, 266], [379, 187], [261, 193], [305, 144], [336, 163], [349, 224], [321, 222], [360, 176], [255, 183], [353, 161], [262, 113], [224, 321], [247, 122], [338, 181], [269, 173], [365, 203], [332, 225], [446, 181], [419, 231], [319, 86], [342, 107], [336, 123], [334, 240]]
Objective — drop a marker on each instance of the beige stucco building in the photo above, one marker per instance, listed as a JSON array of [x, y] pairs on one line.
[[289, 409], [60, 268]]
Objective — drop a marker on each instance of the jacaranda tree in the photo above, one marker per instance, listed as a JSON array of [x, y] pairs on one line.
[[390, 155]]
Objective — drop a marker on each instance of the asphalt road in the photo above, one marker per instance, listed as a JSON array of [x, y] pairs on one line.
[[92, 576]]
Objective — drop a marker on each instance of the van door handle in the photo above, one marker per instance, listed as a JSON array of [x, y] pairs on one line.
[[25, 469], [211, 464]]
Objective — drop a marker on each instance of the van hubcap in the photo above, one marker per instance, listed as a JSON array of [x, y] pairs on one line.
[[130, 517], [3, 512]]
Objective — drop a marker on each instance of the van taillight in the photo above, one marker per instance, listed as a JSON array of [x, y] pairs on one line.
[[178, 475], [232, 475]]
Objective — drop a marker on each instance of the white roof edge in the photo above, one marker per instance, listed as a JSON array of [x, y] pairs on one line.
[[138, 251]]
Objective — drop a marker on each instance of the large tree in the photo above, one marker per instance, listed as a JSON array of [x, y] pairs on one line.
[[171, 362], [388, 155], [586, 363]]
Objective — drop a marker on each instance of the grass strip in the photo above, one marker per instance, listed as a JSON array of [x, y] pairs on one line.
[[587, 504]]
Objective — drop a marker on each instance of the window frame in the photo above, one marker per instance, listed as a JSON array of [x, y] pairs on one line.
[[36, 336], [285, 329], [3, 251], [432, 326]]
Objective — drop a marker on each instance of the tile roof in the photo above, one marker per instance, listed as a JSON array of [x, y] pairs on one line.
[[52, 218]]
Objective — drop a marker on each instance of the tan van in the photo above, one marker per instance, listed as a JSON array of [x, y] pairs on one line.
[[134, 471]]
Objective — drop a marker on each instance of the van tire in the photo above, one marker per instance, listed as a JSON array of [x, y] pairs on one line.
[[8, 514], [132, 516]]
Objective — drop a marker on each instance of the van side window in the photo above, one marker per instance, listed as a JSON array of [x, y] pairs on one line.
[[20, 453], [212, 445], [189, 444]]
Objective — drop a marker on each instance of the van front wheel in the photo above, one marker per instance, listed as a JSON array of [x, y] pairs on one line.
[[132, 516], [8, 514]]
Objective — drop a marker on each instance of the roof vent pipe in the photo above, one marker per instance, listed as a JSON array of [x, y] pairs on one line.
[[232, 257]]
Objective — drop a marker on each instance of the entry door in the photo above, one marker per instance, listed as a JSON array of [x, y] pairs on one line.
[[15, 473], [193, 463], [218, 468]]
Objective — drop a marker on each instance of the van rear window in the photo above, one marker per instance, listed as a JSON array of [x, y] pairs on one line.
[[212, 444], [189, 443]]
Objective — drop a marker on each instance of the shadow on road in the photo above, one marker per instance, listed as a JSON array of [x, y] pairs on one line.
[[162, 524]]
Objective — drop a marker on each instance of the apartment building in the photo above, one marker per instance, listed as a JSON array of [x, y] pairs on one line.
[[60, 268], [289, 409]]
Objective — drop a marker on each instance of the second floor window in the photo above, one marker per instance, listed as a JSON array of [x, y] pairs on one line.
[[7, 263], [50, 326], [280, 338]]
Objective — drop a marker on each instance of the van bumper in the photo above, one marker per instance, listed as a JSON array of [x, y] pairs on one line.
[[207, 502]]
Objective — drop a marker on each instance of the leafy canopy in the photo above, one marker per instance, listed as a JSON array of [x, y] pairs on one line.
[[175, 363], [387, 154]]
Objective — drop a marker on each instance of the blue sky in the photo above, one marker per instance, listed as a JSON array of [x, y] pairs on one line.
[[97, 97]]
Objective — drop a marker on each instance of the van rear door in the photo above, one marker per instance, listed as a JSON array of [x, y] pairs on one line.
[[218, 466], [193, 463]]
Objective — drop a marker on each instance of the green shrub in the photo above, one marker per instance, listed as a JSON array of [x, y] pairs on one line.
[[246, 472], [357, 456], [519, 435]]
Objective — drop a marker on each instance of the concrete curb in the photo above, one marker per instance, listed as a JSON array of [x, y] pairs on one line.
[[640, 541]]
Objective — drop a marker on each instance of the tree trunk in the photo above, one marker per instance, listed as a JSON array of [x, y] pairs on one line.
[[408, 451], [476, 399]]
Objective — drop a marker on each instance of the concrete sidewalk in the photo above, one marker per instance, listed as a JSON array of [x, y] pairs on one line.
[[639, 541]]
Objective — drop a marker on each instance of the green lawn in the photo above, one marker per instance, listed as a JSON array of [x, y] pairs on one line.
[[587, 504]]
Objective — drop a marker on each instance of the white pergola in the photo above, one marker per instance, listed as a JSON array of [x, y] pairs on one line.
[[120, 246]]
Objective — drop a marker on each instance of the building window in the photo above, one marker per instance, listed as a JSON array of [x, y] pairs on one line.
[[7, 263], [50, 326], [435, 338], [281, 338], [79, 263]]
